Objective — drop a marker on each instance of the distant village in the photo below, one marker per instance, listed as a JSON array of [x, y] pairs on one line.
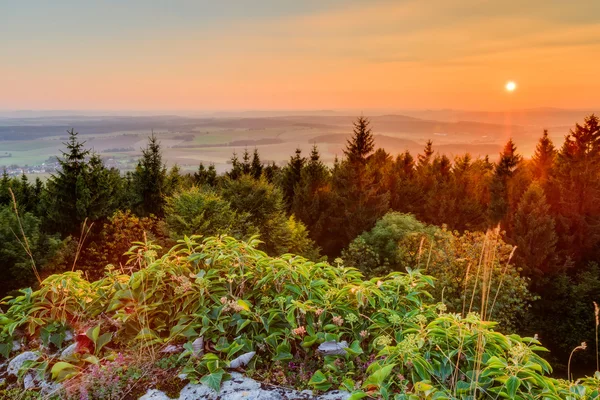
[[51, 165]]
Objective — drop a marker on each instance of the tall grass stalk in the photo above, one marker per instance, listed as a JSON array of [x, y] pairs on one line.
[[582, 346], [597, 315], [24, 242]]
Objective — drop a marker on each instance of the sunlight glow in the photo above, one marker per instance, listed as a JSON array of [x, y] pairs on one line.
[[511, 86]]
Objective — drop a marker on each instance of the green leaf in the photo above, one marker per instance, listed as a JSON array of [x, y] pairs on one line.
[[319, 381], [378, 377], [512, 384], [213, 380], [63, 370]]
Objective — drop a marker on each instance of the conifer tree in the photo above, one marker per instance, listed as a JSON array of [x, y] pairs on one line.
[[578, 185], [256, 168], [246, 163], [80, 190], [271, 172], [312, 196], [291, 176], [504, 170], [362, 142], [543, 158], [205, 176], [236, 167], [150, 180], [534, 234], [425, 158]]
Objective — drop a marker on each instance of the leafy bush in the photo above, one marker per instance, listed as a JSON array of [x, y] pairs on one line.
[[473, 270], [203, 212], [396, 342]]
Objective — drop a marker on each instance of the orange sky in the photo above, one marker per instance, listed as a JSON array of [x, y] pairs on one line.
[[196, 55]]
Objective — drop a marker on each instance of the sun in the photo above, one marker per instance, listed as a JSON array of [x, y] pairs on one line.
[[510, 86]]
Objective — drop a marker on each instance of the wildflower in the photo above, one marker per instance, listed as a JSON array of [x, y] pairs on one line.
[[339, 321], [319, 311], [300, 331], [383, 341], [223, 300], [364, 334], [351, 318], [379, 283]]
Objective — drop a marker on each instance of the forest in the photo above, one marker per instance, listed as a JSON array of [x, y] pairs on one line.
[[516, 241]]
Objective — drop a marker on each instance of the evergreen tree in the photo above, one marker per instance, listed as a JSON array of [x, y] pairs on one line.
[[256, 168], [236, 167], [246, 163], [68, 194], [291, 176], [173, 181], [271, 172], [362, 142], [499, 191], [534, 233], [205, 176], [425, 158], [543, 158], [578, 185], [312, 196], [5, 197], [150, 180], [358, 199]]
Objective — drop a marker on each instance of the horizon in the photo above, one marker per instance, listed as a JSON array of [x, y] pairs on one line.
[[284, 56]]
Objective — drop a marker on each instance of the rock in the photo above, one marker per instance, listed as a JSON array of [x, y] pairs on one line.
[[16, 363], [153, 394], [68, 352], [47, 389], [242, 360], [172, 348], [333, 348], [68, 336], [334, 395], [16, 346], [29, 381], [240, 387]]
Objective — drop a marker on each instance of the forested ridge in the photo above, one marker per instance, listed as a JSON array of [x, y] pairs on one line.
[[534, 222]]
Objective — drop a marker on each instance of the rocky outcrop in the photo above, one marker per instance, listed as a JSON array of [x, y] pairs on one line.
[[243, 388]]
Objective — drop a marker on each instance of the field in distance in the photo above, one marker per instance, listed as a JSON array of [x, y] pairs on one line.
[[187, 141]]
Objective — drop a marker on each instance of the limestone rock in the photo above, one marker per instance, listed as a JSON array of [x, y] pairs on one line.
[[16, 363]]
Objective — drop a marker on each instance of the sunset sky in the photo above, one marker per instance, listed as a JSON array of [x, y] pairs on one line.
[[302, 54]]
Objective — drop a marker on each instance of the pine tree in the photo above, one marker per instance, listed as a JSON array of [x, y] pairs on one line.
[[256, 168], [246, 163], [425, 158], [291, 176], [312, 196], [271, 172], [578, 185], [362, 142], [543, 158], [82, 189], [150, 180], [4, 186], [205, 176], [534, 234], [499, 190], [236, 167]]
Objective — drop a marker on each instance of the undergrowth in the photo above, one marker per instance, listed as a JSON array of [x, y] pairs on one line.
[[400, 343]]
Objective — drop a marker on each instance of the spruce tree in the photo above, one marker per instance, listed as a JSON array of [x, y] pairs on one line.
[[236, 167], [150, 180], [543, 158], [577, 178], [362, 142], [256, 168], [504, 170], [205, 176], [534, 234], [312, 196], [246, 163], [291, 176]]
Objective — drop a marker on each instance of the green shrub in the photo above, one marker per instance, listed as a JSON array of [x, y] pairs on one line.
[[400, 344]]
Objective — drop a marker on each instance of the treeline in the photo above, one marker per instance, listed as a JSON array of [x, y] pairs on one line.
[[86, 215]]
